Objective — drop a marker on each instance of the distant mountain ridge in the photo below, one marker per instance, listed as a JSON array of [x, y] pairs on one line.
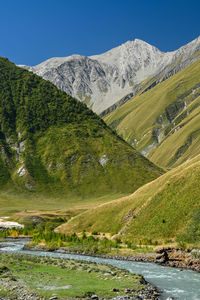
[[102, 80]]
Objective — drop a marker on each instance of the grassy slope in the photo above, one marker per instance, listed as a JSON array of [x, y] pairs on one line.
[[139, 118], [58, 142], [159, 210]]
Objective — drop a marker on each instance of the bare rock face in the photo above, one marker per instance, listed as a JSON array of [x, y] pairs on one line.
[[102, 80]]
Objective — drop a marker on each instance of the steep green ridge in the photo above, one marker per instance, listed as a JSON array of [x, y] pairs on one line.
[[52, 144], [160, 210], [164, 119]]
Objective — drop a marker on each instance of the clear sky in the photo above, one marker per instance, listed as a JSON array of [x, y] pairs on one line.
[[34, 30]]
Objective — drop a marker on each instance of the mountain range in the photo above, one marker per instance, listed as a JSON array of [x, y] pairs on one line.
[[107, 80], [52, 144]]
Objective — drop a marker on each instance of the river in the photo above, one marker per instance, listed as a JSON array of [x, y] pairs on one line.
[[172, 282]]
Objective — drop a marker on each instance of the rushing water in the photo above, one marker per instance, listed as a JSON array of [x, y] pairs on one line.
[[176, 283]]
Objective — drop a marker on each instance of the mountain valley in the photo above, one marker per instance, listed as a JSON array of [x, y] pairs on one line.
[[65, 159], [100, 150]]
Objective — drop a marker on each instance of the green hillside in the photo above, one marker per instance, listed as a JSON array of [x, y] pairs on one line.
[[53, 145], [160, 210], [163, 122]]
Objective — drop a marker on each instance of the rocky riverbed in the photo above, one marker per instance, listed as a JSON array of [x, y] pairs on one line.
[[27, 277], [17, 290]]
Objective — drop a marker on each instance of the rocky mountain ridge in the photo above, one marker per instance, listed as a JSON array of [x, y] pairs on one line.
[[102, 80]]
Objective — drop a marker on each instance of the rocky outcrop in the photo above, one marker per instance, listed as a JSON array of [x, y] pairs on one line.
[[162, 256], [104, 81], [179, 258]]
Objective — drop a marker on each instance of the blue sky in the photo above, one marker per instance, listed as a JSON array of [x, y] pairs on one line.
[[34, 30]]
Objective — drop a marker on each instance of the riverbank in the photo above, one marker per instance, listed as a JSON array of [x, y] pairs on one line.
[[31, 277], [172, 282], [171, 257]]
